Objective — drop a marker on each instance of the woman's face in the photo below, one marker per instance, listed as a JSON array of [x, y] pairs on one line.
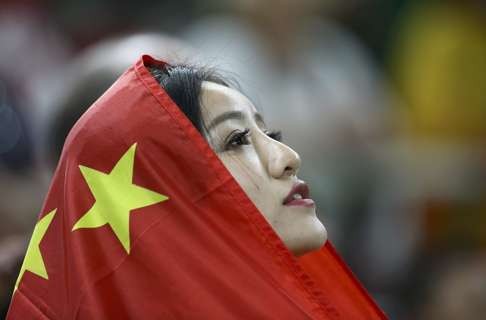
[[264, 167]]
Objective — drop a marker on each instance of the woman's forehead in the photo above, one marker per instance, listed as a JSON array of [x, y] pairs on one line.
[[217, 99]]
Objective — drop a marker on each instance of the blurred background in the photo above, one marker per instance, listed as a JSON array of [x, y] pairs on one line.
[[385, 100]]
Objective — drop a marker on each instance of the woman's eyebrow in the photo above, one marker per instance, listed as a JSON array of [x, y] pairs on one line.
[[225, 116], [258, 118], [232, 115]]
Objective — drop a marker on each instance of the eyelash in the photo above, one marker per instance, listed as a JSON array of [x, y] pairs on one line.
[[240, 138], [274, 134]]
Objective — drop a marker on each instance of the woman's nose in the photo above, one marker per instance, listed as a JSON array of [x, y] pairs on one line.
[[283, 161]]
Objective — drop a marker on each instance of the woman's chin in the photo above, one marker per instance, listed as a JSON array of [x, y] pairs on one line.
[[314, 239]]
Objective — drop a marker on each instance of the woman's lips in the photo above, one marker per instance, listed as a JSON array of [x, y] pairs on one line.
[[299, 196], [301, 202]]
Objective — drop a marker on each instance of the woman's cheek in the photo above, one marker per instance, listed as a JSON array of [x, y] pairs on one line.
[[249, 172], [246, 170]]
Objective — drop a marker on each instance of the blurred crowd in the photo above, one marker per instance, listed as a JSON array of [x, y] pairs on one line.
[[384, 100]]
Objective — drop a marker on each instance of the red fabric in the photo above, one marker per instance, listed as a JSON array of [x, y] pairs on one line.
[[206, 253]]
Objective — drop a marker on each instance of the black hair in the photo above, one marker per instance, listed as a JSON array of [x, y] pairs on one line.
[[183, 84]]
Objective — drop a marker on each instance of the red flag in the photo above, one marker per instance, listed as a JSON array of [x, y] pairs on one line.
[[143, 221]]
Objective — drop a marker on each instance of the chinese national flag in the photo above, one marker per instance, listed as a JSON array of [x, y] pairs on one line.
[[142, 221]]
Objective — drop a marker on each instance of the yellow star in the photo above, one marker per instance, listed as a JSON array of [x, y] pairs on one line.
[[33, 261], [115, 196]]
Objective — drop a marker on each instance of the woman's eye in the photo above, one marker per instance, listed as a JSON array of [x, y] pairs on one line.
[[274, 134], [237, 139]]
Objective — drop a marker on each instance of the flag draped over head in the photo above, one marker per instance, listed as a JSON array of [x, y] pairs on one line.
[[143, 221]]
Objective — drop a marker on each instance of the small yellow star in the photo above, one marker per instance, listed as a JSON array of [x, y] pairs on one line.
[[33, 261], [115, 196]]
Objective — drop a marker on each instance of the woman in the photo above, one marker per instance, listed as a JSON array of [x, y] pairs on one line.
[[146, 220], [262, 165]]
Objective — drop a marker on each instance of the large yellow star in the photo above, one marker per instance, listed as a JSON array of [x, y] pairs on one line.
[[115, 196], [33, 261]]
